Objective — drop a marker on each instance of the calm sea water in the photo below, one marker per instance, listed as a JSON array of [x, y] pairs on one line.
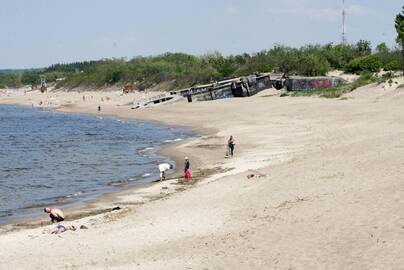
[[49, 158]]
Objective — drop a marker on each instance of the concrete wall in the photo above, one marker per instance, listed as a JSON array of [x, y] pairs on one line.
[[215, 94], [311, 83]]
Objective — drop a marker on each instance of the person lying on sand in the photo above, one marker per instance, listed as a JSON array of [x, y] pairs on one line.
[[55, 214], [60, 228]]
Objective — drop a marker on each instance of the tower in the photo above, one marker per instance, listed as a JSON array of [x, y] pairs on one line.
[[344, 40]]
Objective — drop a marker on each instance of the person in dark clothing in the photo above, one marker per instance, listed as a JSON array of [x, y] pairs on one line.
[[187, 165], [230, 144], [187, 171]]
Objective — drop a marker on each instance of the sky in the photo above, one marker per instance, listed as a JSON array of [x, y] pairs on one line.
[[38, 33]]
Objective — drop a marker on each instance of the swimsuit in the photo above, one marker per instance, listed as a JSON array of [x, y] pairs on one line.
[[58, 219]]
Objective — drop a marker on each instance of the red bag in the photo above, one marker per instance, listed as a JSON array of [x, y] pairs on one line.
[[188, 175]]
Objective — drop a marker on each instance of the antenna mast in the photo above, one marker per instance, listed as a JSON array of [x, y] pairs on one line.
[[344, 40]]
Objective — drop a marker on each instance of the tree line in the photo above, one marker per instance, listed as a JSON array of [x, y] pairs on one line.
[[184, 70]]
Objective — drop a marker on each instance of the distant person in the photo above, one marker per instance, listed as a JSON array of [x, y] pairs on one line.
[[163, 168], [230, 145], [187, 165], [99, 108], [55, 214], [187, 171]]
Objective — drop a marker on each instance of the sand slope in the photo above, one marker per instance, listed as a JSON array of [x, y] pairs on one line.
[[332, 198]]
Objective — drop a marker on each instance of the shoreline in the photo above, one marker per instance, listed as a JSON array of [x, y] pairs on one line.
[[98, 203]]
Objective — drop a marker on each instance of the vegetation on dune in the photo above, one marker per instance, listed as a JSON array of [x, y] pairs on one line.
[[184, 70], [399, 25]]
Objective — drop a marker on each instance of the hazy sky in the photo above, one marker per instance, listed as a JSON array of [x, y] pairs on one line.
[[37, 33]]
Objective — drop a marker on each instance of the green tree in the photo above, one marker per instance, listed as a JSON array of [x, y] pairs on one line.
[[30, 78], [399, 24], [363, 47], [382, 48]]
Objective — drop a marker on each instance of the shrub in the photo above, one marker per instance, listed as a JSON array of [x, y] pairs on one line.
[[370, 63], [313, 65], [392, 65]]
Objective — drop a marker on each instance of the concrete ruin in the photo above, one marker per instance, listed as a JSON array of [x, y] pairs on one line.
[[157, 100], [236, 87], [242, 87], [298, 83]]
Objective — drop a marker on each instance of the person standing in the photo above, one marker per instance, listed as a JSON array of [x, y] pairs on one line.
[[187, 165], [230, 145], [187, 171], [163, 168]]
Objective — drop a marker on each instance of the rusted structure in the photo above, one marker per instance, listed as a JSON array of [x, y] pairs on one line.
[[128, 88]]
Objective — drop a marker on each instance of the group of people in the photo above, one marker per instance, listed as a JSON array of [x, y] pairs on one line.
[[57, 216], [165, 167]]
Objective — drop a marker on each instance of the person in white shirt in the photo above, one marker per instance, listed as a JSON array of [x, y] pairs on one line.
[[164, 167]]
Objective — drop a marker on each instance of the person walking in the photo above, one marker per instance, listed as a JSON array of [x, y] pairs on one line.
[[230, 145]]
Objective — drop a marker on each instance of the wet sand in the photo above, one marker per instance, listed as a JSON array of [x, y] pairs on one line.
[[327, 191]]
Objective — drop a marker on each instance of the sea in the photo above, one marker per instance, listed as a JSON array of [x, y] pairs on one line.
[[56, 159]]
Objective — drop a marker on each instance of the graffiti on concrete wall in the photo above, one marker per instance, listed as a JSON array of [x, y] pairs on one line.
[[306, 83], [324, 83]]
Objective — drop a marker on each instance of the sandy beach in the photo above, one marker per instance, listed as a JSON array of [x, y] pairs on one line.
[[327, 191]]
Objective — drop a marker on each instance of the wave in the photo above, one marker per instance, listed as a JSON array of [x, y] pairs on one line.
[[174, 140]]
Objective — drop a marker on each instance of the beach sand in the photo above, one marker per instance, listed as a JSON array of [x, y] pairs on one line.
[[331, 195]]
